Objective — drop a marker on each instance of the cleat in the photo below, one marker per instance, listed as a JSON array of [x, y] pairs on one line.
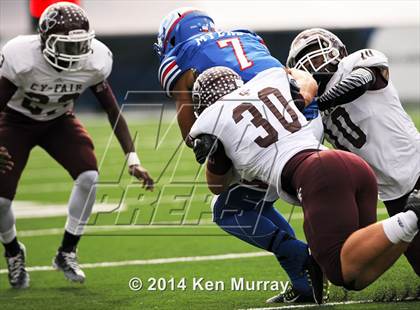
[[413, 204], [18, 276], [291, 295], [317, 280], [67, 263]]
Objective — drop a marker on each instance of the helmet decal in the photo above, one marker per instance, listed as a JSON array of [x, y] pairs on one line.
[[50, 21], [178, 26]]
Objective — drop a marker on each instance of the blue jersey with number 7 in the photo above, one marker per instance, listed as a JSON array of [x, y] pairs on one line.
[[241, 50]]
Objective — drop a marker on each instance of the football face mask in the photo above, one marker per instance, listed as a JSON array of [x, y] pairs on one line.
[[67, 52], [317, 60], [316, 50]]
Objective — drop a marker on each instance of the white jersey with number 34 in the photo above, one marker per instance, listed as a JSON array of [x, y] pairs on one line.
[[376, 127], [45, 93], [260, 128]]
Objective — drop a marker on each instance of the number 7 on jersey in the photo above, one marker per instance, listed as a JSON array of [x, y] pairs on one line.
[[236, 44]]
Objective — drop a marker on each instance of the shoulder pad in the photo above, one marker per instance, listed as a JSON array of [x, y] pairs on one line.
[[100, 61], [366, 58], [18, 56]]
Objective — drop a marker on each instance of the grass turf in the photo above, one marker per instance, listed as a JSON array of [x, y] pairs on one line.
[[180, 198]]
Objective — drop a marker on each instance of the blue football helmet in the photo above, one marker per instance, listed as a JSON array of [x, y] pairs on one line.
[[180, 25]]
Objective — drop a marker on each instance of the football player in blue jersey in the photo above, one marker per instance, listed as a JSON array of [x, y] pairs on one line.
[[188, 44]]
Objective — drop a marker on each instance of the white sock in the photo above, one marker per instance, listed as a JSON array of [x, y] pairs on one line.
[[7, 221], [401, 227], [81, 202]]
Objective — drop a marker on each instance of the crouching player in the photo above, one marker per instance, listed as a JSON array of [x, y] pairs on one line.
[[40, 78], [258, 129], [362, 114]]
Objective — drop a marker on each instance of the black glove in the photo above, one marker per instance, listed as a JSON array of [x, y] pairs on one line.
[[204, 145], [413, 204]]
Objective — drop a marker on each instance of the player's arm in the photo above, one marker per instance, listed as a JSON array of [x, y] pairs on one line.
[[219, 166], [353, 86], [184, 105], [7, 90], [219, 171], [103, 92], [6, 163], [307, 87]]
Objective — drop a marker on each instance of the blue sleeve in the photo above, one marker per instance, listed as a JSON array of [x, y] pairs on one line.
[[174, 65], [311, 111]]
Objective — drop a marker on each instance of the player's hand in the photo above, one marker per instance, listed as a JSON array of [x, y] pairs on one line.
[[307, 84], [142, 174], [204, 146], [6, 163]]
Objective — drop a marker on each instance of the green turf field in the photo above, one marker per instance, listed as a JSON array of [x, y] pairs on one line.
[[172, 222]]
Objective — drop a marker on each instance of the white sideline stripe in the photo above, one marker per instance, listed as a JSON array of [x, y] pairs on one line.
[[90, 229], [156, 261], [30, 209], [339, 303]]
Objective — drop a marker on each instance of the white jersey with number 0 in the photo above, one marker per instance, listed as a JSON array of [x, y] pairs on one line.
[[260, 128], [43, 92], [376, 127]]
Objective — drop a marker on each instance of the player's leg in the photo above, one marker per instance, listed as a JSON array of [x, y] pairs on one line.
[[370, 251], [19, 136], [413, 252], [333, 215], [70, 145], [243, 213]]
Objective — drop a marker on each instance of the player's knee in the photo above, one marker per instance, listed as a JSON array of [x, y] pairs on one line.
[[335, 276], [5, 206], [7, 221], [353, 286], [86, 180]]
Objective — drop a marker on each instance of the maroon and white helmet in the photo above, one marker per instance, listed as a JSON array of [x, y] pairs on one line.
[[65, 35], [213, 84], [316, 50]]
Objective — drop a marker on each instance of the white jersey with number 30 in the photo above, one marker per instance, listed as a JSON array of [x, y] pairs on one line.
[[45, 93], [376, 127], [260, 128]]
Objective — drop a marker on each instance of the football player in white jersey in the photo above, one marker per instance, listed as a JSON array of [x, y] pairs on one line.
[[40, 78], [362, 114], [259, 130]]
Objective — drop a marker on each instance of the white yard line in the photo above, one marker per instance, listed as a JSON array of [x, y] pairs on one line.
[[31, 209], [93, 229], [340, 303], [156, 261]]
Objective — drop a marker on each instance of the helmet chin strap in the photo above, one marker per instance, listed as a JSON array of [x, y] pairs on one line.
[[322, 78]]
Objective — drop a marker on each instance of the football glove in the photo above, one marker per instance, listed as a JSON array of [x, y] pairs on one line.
[[204, 145]]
